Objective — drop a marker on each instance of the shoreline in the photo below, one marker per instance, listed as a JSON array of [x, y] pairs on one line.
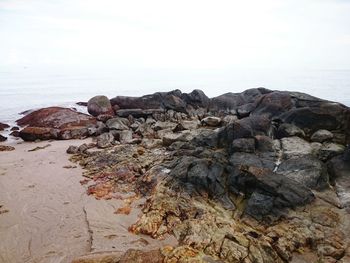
[[48, 215]]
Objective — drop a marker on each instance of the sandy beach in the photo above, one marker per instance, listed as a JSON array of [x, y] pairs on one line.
[[47, 215]]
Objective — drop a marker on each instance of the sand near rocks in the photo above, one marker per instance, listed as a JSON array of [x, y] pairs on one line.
[[46, 215]]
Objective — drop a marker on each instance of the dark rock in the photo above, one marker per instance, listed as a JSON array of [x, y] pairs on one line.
[[197, 99], [289, 130], [306, 170], [273, 104], [99, 105], [339, 171], [328, 150], [264, 143], [284, 192], [328, 116], [245, 110], [249, 159], [3, 126], [81, 103], [2, 138], [260, 205], [251, 126], [101, 128], [243, 145], [105, 140], [72, 149], [15, 128], [15, 133], [125, 136], [322, 136], [229, 102]]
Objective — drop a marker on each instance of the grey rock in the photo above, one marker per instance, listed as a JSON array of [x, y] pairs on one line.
[[322, 136], [118, 124], [289, 130], [306, 170], [243, 145], [295, 147], [105, 140]]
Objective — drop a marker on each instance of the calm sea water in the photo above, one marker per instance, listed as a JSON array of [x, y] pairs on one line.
[[29, 89]]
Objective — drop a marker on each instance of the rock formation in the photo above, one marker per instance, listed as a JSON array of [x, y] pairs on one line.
[[258, 176]]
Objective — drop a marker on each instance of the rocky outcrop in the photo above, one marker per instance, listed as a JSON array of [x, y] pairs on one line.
[[247, 177], [100, 105]]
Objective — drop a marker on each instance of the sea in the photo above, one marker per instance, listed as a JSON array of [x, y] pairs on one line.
[[28, 88]]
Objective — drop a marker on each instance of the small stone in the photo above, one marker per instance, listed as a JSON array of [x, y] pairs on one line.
[[2, 138], [83, 148], [72, 149]]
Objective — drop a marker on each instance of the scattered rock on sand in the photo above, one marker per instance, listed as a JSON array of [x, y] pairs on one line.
[[4, 148]]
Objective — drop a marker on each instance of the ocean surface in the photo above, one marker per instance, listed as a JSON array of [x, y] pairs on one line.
[[26, 88]]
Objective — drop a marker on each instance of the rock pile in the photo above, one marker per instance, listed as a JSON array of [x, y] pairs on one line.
[[256, 176]]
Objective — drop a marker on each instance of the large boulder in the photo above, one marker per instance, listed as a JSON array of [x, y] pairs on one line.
[[56, 118], [229, 102], [55, 123], [273, 104], [99, 105]]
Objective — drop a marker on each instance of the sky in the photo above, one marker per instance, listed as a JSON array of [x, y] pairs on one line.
[[181, 34]]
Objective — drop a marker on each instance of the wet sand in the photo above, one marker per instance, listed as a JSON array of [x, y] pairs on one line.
[[47, 215]]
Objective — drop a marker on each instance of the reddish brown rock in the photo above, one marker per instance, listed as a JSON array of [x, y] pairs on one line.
[[55, 123], [57, 118], [3, 126]]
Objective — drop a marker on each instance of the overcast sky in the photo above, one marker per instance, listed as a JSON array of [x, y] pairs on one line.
[[176, 34]]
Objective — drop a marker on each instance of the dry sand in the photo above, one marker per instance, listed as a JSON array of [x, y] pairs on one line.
[[50, 218]]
